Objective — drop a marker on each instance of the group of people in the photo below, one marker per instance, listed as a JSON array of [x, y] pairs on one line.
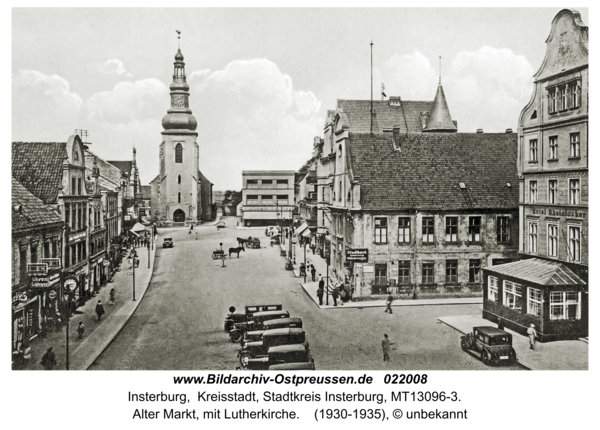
[[337, 291], [311, 268]]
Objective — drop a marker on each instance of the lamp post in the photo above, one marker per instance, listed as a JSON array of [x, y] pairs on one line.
[[327, 289], [68, 316], [304, 261], [133, 258], [148, 245]]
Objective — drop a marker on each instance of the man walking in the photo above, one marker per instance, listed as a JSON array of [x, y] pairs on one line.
[[388, 303], [80, 329], [99, 309], [313, 272], [48, 360], [532, 335], [302, 270], [385, 346], [321, 290]]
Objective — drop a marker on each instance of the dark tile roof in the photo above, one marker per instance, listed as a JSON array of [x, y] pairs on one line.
[[386, 116], [124, 166], [439, 118], [426, 172], [538, 271], [33, 212], [38, 167]]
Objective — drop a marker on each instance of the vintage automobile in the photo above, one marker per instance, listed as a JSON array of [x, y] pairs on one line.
[[494, 345], [233, 318], [271, 338], [299, 353], [255, 323], [255, 335], [272, 230], [168, 242], [294, 366]]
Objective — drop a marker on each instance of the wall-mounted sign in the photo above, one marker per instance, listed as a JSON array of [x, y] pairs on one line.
[[37, 268], [367, 269], [358, 255], [54, 278], [77, 236], [52, 295], [40, 281]]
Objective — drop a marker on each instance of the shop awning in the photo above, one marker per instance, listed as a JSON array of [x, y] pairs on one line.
[[538, 271], [138, 227]]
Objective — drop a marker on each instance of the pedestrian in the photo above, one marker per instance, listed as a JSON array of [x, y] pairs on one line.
[[302, 269], [112, 297], [99, 309], [334, 294], [532, 335], [313, 272], [321, 290], [312, 246], [388, 303], [48, 360], [80, 329], [385, 346]]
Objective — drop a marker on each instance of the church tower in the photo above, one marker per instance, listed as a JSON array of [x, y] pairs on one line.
[[178, 183]]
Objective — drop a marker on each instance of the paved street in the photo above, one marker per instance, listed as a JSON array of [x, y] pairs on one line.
[[179, 323]]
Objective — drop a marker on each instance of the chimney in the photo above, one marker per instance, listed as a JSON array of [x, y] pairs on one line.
[[455, 122], [509, 130], [424, 117], [480, 130], [396, 134], [395, 101]]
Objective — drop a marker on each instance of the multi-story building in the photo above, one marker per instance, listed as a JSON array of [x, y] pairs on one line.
[[403, 189], [267, 197], [549, 288], [37, 231]]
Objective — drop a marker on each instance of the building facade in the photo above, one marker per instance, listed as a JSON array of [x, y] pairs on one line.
[[553, 164], [267, 197]]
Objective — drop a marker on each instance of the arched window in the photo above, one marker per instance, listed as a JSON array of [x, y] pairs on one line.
[[179, 179], [179, 153], [178, 197]]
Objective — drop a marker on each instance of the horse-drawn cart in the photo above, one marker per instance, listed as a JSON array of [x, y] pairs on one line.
[[254, 243], [218, 254]]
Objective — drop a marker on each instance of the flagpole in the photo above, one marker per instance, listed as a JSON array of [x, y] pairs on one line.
[[371, 86]]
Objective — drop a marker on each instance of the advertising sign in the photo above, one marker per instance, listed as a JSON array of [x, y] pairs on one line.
[[358, 255], [40, 281]]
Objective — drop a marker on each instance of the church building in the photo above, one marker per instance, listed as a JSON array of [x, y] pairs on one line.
[[180, 193]]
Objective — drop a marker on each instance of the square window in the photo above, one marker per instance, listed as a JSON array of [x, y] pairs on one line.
[[380, 230], [403, 230], [451, 229], [553, 145], [428, 229], [474, 229], [451, 271], [574, 191]]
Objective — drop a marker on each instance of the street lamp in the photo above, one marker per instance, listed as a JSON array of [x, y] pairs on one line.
[[304, 242], [327, 290], [133, 258], [68, 316]]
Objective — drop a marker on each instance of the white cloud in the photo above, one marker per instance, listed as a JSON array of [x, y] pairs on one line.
[[485, 89], [43, 106], [114, 66], [251, 117]]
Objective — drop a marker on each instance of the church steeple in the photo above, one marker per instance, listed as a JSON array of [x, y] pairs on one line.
[[439, 119], [179, 118]]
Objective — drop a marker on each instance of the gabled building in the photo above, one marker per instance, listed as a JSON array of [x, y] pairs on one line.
[[401, 187], [549, 288]]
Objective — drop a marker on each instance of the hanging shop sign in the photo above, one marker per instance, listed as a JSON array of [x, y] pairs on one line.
[[40, 281], [54, 279], [52, 295], [77, 236]]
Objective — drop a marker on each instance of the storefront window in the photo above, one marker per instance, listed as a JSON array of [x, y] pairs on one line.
[[564, 305], [512, 295]]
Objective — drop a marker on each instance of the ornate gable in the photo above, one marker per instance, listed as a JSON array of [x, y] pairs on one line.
[[566, 46]]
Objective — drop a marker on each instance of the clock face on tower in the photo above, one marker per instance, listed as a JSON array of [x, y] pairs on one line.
[[178, 101]]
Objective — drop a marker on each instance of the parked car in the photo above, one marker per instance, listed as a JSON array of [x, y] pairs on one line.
[[234, 318], [168, 242], [255, 335], [271, 338], [255, 323], [272, 230], [494, 345], [280, 355]]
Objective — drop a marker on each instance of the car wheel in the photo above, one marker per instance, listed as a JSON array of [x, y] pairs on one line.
[[244, 358], [228, 327], [463, 344], [236, 336], [485, 357]]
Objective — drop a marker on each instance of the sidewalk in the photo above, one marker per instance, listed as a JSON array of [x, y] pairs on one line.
[[559, 355], [98, 335], [311, 287]]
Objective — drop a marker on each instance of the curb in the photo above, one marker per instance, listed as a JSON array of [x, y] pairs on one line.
[[524, 364], [90, 361]]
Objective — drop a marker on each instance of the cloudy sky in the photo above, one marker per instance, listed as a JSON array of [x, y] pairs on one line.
[[261, 79]]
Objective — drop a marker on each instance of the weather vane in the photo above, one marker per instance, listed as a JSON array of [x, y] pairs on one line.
[[178, 36]]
